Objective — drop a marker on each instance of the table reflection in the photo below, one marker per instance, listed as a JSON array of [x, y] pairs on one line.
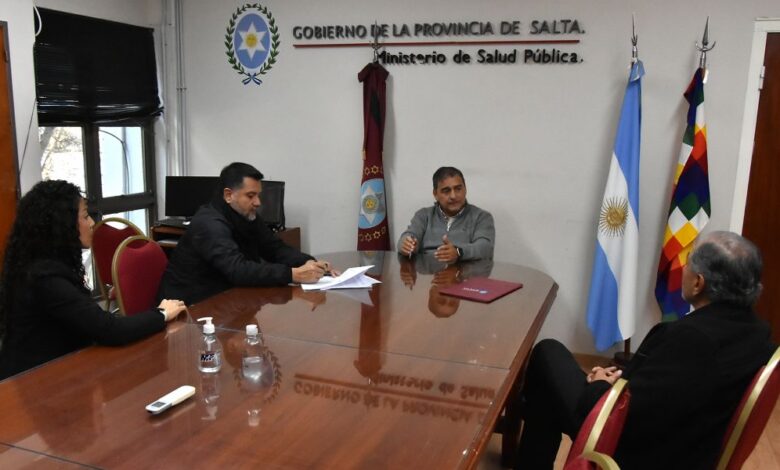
[[240, 303], [354, 406], [405, 314], [440, 305], [84, 412], [372, 335], [259, 387]]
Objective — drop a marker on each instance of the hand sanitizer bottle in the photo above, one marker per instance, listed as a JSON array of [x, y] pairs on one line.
[[210, 351], [252, 360], [210, 388]]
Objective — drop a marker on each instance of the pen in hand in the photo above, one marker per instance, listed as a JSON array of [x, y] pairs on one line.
[[326, 269]]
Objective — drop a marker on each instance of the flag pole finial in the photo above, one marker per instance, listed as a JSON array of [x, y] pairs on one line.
[[634, 40], [705, 45], [375, 43]]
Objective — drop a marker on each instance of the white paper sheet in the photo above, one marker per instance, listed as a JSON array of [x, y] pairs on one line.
[[352, 278], [358, 295]]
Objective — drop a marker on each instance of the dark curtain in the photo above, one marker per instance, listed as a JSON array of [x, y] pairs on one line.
[[89, 70]]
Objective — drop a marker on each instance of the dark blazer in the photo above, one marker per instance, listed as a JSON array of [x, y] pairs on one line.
[[686, 379], [216, 254], [52, 314]]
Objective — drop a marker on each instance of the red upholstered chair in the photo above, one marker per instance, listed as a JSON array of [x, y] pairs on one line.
[[601, 430], [106, 237], [591, 460], [751, 415], [137, 269]]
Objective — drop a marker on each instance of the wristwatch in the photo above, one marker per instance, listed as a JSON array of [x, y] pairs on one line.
[[460, 252]]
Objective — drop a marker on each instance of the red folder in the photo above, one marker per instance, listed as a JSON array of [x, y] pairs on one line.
[[481, 289]]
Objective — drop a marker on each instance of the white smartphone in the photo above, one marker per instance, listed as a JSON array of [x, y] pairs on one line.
[[172, 399]]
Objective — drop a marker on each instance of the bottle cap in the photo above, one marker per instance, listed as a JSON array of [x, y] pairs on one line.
[[208, 328], [251, 330]]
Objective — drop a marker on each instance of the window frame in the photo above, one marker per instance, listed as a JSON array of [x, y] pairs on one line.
[[94, 184]]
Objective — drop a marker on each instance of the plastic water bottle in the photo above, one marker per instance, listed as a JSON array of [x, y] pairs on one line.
[[252, 362], [210, 351]]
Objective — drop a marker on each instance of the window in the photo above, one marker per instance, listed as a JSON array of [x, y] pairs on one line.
[[63, 154], [113, 164], [97, 102]]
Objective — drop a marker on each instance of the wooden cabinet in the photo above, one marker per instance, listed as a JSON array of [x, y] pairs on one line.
[[9, 179], [168, 236]]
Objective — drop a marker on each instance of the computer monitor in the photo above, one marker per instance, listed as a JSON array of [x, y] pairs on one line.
[[272, 204], [185, 194]]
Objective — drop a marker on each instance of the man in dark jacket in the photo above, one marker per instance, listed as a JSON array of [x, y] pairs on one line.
[[227, 244], [686, 379]]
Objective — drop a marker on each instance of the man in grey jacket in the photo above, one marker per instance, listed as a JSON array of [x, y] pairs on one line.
[[453, 230]]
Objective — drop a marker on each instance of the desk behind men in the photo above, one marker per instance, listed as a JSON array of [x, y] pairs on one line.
[[167, 236]]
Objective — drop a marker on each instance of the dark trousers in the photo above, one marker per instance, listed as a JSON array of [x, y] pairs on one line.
[[553, 386]]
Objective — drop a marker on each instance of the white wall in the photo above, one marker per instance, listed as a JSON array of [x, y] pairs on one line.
[[19, 17], [534, 141]]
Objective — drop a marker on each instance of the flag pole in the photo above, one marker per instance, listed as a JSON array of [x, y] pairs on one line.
[[634, 40], [375, 43], [621, 359], [705, 47]]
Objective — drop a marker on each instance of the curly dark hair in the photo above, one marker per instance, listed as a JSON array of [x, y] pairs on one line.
[[46, 228]]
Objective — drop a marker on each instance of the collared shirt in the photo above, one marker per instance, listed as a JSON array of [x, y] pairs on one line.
[[447, 218]]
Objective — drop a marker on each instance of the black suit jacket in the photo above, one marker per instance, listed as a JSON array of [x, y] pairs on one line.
[[214, 255], [686, 380], [52, 314]]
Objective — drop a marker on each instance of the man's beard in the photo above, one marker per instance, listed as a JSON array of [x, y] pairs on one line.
[[250, 217]]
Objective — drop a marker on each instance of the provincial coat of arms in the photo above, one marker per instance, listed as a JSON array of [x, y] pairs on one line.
[[252, 42], [372, 203]]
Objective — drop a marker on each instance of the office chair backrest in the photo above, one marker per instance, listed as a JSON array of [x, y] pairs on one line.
[[751, 416], [602, 428], [138, 266], [106, 237]]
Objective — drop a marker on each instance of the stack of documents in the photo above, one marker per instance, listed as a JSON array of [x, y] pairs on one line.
[[352, 278]]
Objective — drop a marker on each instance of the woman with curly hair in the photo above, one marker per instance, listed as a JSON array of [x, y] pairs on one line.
[[46, 310]]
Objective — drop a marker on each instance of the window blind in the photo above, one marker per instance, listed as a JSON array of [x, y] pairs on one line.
[[90, 70]]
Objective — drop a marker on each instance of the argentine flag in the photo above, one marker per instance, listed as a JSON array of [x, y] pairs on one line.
[[612, 298]]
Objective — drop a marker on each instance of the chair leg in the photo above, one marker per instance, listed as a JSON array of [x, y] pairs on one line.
[[510, 435], [510, 422], [510, 425]]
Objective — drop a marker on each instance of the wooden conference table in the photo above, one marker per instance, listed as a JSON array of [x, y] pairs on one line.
[[395, 377]]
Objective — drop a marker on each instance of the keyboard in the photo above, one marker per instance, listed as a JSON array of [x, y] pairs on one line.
[[173, 222]]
